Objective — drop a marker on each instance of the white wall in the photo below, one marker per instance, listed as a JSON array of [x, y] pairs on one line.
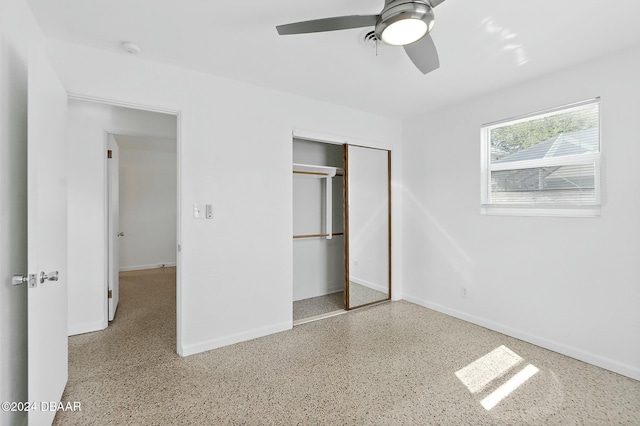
[[87, 132], [18, 30], [569, 284], [148, 202], [235, 272], [318, 263]]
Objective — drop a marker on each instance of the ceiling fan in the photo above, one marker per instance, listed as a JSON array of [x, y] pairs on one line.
[[404, 23]]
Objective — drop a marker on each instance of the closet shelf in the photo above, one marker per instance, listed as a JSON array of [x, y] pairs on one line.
[[319, 171]]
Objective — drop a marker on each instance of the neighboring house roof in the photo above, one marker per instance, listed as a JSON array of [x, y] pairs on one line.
[[497, 152], [574, 143]]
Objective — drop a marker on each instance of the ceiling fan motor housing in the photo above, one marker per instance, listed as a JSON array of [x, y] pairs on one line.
[[398, 10]]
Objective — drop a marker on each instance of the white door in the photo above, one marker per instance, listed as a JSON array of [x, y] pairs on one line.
[[47, 237], [114, 224]]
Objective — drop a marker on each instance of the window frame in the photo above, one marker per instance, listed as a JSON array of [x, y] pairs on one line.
[[567, 210]]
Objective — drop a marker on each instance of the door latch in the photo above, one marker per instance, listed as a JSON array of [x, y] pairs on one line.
[[30, 279]]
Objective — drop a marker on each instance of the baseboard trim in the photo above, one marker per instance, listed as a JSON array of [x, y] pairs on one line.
[[86, 328], [187, 350], [570, 351], [369, 284], [152, 266]]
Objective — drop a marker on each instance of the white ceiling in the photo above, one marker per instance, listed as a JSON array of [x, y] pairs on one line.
[[483, 45]]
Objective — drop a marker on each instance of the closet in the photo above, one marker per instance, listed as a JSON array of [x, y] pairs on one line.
[[341, 228]]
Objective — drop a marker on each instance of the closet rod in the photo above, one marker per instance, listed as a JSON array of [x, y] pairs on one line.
[[317, 235]]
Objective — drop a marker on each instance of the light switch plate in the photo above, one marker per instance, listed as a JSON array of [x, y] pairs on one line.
[[198, 211]]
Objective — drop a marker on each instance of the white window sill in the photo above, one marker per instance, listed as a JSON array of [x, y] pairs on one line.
[[566, 211]]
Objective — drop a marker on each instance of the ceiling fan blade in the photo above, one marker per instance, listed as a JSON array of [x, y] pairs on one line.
[[328, 24], [423, 54]]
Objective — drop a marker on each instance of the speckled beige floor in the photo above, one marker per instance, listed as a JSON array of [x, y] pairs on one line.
[[307, 308], [360, 295], [390, 364]]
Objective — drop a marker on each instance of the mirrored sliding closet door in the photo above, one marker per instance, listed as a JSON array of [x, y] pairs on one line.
[[368, 225]]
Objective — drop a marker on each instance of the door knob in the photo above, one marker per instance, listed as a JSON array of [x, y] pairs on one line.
[[120, 234], [51, 276], [24, 279]]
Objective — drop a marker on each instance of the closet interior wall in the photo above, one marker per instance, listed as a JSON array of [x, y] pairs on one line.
[[318, 263]]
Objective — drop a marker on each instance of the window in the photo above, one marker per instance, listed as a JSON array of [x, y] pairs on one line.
[[544, 164]]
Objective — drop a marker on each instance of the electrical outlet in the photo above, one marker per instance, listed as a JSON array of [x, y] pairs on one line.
[[463, 292]]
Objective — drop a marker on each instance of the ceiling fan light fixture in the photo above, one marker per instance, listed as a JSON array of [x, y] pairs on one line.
[[404, 31], [404, 22]]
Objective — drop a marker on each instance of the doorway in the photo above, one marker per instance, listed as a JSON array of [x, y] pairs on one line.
[[123, 192], [142, 199], [318, 231]]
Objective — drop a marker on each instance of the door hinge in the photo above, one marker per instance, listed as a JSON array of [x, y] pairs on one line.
[[110, 294], [109, 154]]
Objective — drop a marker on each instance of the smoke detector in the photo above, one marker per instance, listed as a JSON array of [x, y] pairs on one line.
[[131, 48]]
